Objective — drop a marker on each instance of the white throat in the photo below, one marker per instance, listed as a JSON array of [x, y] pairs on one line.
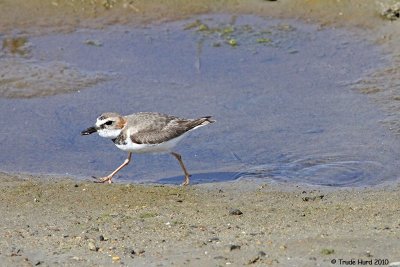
[[109, 133]]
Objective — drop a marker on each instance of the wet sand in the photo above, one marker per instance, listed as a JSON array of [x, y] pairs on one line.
[[51, 222], [38, 16], [58, 221]]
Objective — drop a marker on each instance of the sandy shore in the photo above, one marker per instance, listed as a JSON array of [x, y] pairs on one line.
[[50, 222]]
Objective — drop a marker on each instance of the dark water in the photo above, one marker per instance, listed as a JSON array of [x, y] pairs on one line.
[[283, 107]]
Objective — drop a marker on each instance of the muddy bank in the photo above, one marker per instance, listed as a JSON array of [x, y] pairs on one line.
[[37, 16], [50, 222], [29, 78]]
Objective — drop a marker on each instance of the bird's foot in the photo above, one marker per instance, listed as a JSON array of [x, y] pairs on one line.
[[186, 181], [103, 179]]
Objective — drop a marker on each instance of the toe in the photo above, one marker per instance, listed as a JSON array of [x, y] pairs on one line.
[[103, 180], [185, 183]]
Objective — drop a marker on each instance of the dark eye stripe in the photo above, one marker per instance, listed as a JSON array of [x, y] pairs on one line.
[[108, 123]]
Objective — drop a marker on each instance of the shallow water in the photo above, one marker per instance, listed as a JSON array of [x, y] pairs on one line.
[[283, 107]]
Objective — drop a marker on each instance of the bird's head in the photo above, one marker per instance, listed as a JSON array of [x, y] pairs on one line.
[[108, 125]]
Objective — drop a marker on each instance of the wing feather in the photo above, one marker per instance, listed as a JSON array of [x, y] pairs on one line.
[[166, 128]]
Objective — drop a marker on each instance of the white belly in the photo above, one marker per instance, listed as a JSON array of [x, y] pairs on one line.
[[150, 148]]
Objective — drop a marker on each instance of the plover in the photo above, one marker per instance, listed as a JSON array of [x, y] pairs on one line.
[[145, 132]]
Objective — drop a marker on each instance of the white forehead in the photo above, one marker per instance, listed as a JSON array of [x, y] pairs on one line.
[[101, 120]]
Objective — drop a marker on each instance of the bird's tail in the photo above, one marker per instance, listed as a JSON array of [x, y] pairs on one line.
[[206, 120], [201, 122]]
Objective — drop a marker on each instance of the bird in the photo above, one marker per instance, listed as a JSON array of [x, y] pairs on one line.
[[145, 132]]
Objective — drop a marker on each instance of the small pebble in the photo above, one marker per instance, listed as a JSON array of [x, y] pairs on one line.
[[15, 252], [313, 198], [130, 251], [234, 247], [253, 260], [368, 254], [213, 239], [393, 12], [92, 246], [262, 254], [327, 251], [235, 212]]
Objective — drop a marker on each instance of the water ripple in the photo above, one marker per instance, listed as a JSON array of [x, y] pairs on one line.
[[321, 171]]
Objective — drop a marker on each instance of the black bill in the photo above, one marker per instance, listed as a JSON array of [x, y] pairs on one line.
[[89, 130]]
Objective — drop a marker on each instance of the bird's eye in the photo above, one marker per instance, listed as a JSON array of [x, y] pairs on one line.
[[108, 123]]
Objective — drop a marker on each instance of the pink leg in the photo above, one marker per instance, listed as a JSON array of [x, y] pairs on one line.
[[109, 177], [187, 175]]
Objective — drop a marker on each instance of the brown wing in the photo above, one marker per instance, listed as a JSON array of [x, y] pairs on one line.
[[172, 129]]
